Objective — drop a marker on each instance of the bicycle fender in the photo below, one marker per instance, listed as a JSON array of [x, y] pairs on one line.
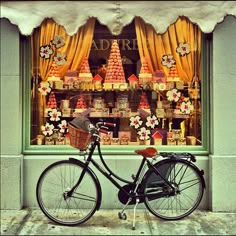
[[201, 172], [73, 160]]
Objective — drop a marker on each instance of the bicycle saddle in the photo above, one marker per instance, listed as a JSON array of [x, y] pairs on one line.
[[148, 152]]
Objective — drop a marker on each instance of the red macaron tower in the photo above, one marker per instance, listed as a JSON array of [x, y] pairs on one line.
[[115, 76], [54, 77], [145, 75], [144, 107], [51, 104], [80, 106], [85, 76], [173, 75]]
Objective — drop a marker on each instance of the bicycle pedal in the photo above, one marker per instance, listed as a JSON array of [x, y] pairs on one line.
[[122, 216]]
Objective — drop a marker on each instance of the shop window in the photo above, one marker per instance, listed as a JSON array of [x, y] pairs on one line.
[[149, 84]]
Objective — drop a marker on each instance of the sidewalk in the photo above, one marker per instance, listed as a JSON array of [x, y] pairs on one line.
[[106, 222]]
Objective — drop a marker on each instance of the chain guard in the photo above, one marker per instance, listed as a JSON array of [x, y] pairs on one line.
[[123, 197]]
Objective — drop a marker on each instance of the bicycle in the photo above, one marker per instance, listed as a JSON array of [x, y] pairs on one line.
[[69, 192]]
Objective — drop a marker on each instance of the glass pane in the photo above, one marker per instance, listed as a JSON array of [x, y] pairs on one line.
[[146, 83]]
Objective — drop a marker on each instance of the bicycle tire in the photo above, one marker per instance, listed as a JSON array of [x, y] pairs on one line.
[[60, 177], [189, 183]]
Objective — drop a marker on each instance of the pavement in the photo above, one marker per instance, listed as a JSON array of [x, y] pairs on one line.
[[106, 222]]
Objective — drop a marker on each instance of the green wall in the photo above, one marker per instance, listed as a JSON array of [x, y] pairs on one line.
[[19, 173]]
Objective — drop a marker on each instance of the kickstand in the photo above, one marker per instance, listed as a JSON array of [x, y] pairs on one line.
[[136, 204]]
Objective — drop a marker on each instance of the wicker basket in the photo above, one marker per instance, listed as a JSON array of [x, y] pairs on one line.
[[79, 138]]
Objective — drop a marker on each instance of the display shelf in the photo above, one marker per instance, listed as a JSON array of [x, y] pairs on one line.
[[118, 107]]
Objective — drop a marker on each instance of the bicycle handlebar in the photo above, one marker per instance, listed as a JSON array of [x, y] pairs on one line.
[[103, 131], [101, 127], [109, 124], [103, 123]]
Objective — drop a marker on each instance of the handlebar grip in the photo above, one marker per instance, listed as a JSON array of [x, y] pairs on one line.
[[103, 131], [109, 124]]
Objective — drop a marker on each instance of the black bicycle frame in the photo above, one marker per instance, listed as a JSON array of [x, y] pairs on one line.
[[108, 173]]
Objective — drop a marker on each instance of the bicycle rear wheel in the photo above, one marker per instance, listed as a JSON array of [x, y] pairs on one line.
[[189, 188], [59, 178]]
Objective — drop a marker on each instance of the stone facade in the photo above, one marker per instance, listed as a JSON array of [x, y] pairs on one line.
[[19, 172]]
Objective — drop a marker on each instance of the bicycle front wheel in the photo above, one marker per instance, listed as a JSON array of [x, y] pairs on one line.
[[53, 184], [189, 188]]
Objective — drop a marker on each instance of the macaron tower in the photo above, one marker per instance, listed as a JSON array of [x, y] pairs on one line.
[[115, 76], [85, 76], [145, 75]]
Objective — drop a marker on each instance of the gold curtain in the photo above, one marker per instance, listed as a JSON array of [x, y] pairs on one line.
[[76, 48], [153, 46]]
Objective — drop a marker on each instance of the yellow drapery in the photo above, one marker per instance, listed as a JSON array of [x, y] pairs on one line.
[[76, 48], [153, 46]]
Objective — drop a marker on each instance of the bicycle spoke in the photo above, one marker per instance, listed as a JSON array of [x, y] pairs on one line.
[[187, 195], [58, 179]]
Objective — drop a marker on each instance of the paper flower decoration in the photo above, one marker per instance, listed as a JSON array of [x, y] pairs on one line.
[[173, 95], [58, 41], [136, 121], [152, 121], [60, 59], [183, 49], [63, 126], [46, 51], [144, 134], [44, 88], [168, 61], [186, 107], [47, 129], [54, 115]]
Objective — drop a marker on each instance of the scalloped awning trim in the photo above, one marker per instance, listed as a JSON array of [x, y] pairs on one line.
[[28, 15]]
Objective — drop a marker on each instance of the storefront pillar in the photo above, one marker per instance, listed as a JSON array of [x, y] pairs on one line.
[[11, 118], [223, 123]]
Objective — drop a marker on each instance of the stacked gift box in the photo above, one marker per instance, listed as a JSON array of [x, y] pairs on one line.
[[70, 79], [121, 108], [99, 108]]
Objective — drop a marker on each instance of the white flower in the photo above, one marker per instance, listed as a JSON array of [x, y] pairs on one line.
[[44, 88], [173, 95], [63, 126], [168, 61], [152, 121], [47, 129], [135, 121], [46, 51], [183, 49], [60, 59], [186, 107], [58, 41], [54, 115], [144, 134]]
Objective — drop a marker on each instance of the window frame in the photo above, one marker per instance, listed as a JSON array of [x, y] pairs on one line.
[[203, 149]]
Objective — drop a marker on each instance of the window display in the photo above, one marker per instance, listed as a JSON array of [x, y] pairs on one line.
[[146, 83]]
